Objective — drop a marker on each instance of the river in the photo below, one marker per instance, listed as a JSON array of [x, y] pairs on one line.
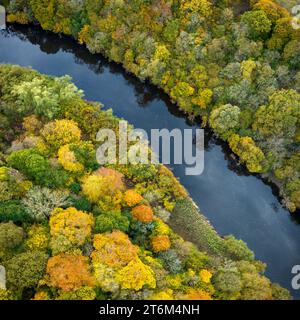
[[235, 202]]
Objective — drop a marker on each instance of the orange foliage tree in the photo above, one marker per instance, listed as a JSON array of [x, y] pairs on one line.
[[132, 198], [195, 294], [69, 272], [143, 213], [161, 243]]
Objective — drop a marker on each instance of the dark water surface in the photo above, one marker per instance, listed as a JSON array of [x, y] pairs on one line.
[[235, 202]]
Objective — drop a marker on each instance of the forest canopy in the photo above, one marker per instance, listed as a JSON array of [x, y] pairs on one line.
[[71, 229], [234, 63]]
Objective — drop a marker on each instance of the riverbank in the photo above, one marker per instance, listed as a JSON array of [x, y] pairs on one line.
[[198, 91], [141, 212], [222, 191]]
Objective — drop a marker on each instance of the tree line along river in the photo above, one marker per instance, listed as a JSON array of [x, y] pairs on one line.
[[234, 201]]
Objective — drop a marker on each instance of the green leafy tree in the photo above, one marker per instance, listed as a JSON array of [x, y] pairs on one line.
[[225, 120], [107, 222], [258, 24], [25, 270]]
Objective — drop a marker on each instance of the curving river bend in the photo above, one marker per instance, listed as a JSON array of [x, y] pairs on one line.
[[235, 202]]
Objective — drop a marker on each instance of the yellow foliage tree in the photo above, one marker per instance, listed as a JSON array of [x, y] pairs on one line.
[[246, 149], [38, 238], [75, 226], [59, 133], [104, 182], [136, 275], [67, 159], [114, 249], [202, 6], [205, 275]]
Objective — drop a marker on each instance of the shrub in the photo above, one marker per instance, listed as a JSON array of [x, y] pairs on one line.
[[143, 213]]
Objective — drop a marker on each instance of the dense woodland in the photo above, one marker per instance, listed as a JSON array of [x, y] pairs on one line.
[[71, 229], [234, 63]]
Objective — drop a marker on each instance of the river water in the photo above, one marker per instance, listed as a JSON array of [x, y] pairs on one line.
[[235, 202]]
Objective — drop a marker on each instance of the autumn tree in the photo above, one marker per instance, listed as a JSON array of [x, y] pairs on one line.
[[104, 182], [142, 213], [69, 228], [44, 96], [249, 153], [280, 117], [113, 249], [59, 133], [161, 243], [132, 198], [109, 221], [136, 275], [69, 272]]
